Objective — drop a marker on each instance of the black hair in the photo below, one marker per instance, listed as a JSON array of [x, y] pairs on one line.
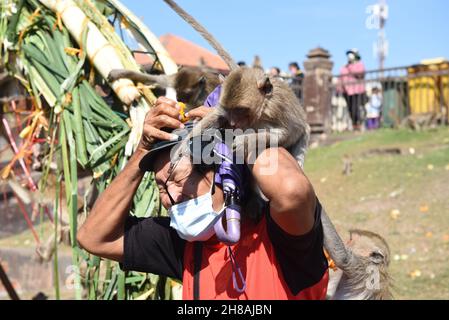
[[295, 65], [277, 69]]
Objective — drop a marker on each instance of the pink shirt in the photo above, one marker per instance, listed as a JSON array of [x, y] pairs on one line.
[[352, 78]]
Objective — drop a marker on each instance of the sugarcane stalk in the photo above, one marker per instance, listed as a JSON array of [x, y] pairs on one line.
[[70, 204], [12, 28], [56, 221], [79, 129], [103, 56]]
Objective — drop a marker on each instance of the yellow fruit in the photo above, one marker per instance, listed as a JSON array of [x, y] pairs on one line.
[[182, 112]]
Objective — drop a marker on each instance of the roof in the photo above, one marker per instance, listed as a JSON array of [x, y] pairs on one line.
[[186, 53]]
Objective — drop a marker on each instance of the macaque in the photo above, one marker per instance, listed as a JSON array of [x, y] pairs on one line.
[[371, 280], [252, 100], [192, 84], [347, 165]]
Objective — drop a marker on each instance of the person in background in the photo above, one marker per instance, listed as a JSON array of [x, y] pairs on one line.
[[352, 81], [257, 63], [275, 72], [297, 77], [374, 110]]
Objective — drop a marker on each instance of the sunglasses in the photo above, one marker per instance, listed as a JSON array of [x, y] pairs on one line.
[[171, 170]]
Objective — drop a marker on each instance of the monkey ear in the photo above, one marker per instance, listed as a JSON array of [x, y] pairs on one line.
[[265, 85], [202, 80]]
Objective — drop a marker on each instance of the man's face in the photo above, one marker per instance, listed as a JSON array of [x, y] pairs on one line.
[[183, 183], [274, 72], [293, 70], [351, 57]]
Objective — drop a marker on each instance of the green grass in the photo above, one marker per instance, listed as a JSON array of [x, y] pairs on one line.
[[365, 199], [382, 183]]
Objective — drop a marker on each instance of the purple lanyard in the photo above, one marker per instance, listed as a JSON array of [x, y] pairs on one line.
[[236, 268]]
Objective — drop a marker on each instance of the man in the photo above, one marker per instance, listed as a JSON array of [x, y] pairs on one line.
[[297, 76], [353, 84], [275, 72], [279, 254]]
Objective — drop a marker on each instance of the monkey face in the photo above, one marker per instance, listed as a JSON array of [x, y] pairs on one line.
[[239, 117], [243, 97], [193, 85]]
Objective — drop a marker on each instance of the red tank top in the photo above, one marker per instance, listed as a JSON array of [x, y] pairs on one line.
[[257, 260]]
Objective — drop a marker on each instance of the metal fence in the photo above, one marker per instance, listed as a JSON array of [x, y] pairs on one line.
[[421, 90], [296, 84]]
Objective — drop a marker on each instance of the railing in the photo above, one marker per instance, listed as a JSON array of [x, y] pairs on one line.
[[296, 84], [402, 91]]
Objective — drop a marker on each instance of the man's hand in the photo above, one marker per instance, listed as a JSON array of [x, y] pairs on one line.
[[103, 231], [165, 114]]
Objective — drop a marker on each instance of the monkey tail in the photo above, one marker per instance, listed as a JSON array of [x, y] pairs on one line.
[[206, 35]]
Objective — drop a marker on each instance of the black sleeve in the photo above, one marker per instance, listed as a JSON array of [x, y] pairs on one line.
[[301, 258], [151, 245]]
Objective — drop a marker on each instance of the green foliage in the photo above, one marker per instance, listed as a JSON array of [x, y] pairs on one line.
[[85, 132]]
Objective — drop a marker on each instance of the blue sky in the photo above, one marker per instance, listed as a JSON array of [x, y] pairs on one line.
[[285, 30]]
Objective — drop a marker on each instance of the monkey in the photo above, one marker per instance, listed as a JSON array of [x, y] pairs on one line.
[[192, 84], [372, 280], [347, 165], [362, 264], [252, 100]]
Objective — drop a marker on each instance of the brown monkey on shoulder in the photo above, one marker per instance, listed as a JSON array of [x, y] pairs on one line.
[[192, 84], [252, 100]]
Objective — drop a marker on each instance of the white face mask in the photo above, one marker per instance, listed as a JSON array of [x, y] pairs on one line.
[[351, 57], [194, 219]]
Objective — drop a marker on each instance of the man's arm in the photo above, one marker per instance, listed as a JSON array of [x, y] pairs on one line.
[[102, 233], [291, 195]]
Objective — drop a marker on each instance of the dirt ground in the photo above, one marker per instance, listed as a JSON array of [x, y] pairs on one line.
[[399, 188]]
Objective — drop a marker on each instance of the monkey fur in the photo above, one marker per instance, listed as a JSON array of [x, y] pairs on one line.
[[252, 100], [192, 84]]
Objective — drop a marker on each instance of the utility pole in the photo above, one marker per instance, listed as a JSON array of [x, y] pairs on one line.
[[382, 43], [376, 20]]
